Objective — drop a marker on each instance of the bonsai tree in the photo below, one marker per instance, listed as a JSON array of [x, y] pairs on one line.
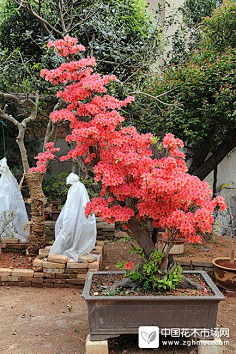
[[136, 188]]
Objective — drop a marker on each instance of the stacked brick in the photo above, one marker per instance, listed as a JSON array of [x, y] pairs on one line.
[[105, 231], [51, 271], [12, 244], [197, 265]]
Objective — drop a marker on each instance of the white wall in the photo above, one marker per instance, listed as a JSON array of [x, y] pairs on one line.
[[226, 172]]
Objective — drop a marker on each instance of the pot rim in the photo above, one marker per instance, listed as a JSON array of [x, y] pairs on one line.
[[214, 260], [217, 295]]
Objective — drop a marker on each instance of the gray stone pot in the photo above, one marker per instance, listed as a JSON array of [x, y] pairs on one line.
[[111, 316]]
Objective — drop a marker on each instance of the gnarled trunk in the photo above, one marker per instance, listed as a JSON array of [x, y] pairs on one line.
[[142, 236]]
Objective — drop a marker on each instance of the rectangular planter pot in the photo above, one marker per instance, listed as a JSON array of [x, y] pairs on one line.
[[111, 316]]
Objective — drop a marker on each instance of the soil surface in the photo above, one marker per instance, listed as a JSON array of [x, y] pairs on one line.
[[54, 321], [227, 264], [102, 283], [14, 260], [218, 247]]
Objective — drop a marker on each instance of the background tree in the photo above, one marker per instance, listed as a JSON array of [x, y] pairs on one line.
[[122, 34], [186, 35], [199, 106]]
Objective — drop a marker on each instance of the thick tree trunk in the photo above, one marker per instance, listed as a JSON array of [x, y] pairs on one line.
[[142, 236], [223, 150], [37, 201], [200, 155]]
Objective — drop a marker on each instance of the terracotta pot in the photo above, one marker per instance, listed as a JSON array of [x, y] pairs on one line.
[[46, 215], [54, 205], [111, 316], [55, 214], [225, 276]]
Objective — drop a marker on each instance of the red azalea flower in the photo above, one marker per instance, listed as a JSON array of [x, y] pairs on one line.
[[129, 265]]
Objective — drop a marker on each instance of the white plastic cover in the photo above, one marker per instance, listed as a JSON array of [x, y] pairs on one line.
[[11, 200], [74, 233], [229, 193]]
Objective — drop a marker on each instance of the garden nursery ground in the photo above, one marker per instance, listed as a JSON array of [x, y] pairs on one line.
[[54, 321]]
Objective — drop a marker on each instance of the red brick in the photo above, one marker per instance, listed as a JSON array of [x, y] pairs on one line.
[[81, 276], [48, 280], [9, 240], [87, 258], [53, 271], [29, 273], [25, 284], [38, 269], [15, 279], [77, 265], [37, 280], [43, 253], [57, 258], [49, 275], [5, 271], [17, 247], [4, 283], [15, 283], [37, 262], [75, 281], [59, 281], [5, 278], [38, 275]]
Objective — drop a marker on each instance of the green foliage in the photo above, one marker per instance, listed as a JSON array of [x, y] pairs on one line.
[[219, 30], [148, 275], [93, 188], [122, 34], [55, 187], [194, 11], [186, 20], [200, 103]]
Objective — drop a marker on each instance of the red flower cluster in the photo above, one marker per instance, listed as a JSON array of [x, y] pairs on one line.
[[44, 157], [133, 183]]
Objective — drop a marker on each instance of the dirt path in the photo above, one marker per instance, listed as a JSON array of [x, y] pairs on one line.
[[39, 321]]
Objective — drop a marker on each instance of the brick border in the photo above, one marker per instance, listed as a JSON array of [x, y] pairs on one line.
[[60, 274]]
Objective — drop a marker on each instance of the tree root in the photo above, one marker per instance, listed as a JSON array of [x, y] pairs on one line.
[[124, 283], [188, 283], [185, 283]]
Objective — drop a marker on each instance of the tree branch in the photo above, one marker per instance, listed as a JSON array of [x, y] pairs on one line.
[[26, 4]]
